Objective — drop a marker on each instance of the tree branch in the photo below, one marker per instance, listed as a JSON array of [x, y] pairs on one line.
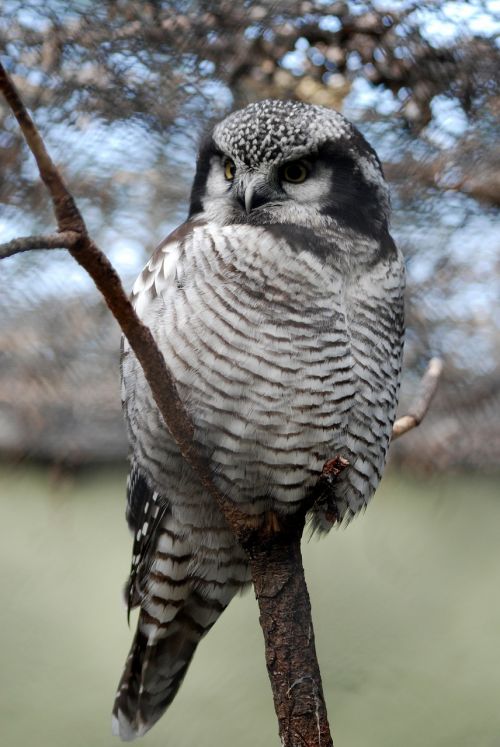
[[422, 401], [285, 617], [273, 548]]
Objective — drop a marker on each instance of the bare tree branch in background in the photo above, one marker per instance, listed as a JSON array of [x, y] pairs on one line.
[[126, 89], [110, 63], [421, 404]]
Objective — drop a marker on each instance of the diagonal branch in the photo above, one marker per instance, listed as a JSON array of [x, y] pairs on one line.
[[274, 554]]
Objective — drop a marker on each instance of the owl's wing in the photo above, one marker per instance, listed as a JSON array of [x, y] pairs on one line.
[[145, 512], [162, 271], [145, 507]]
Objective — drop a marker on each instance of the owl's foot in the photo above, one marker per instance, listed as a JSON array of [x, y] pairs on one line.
[[325, 503], [333, 467], [271, 524], [267, 523]]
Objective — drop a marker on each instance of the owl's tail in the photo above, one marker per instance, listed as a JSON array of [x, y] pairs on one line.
[[158, 660]]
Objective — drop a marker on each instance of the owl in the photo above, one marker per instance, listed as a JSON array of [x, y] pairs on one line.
[[278, 306]]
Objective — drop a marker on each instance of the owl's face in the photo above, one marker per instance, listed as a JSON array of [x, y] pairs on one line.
[[289, 162]]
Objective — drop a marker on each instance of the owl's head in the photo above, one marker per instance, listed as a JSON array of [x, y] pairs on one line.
[[290, 162]]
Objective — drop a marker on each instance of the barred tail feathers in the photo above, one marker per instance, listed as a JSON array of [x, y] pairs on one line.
[[183, 576], [157, 663]]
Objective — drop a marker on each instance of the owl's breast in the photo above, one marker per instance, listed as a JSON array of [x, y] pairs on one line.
[[283, 361], [260, 350]]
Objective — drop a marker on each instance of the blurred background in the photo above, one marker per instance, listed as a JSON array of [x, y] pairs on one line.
[[405, 601]]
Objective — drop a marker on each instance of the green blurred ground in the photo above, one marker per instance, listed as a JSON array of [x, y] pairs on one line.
[[406, 604]]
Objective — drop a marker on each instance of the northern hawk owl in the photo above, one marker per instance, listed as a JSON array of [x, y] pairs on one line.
[[278, 306]]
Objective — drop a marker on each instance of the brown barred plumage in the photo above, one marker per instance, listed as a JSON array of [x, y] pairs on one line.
[[279, 310]]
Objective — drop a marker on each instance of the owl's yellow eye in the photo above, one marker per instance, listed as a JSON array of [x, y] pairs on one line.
[[295, 172], [229, 169]]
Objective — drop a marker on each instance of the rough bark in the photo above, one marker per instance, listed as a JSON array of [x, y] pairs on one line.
[[285, 618]]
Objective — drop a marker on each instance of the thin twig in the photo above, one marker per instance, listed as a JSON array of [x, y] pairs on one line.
[[65, 240], [420, 405], [68, 216]]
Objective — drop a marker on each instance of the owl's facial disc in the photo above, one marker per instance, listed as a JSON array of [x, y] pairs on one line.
[[289, 162], [269, 192], [234, 190]]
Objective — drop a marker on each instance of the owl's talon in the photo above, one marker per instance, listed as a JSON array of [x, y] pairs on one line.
[[333, 467], [271, 522], [331, 517], [253, 521]]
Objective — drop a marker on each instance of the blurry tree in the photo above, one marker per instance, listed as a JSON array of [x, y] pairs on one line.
[[124, 89]]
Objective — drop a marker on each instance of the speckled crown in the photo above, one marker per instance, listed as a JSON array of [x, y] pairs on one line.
[[270, 130]]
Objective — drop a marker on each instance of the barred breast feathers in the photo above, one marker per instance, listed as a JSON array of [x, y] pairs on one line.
[[285, 353]]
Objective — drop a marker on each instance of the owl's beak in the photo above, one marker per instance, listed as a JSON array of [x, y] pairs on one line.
[[249, 193], [257, 193]]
